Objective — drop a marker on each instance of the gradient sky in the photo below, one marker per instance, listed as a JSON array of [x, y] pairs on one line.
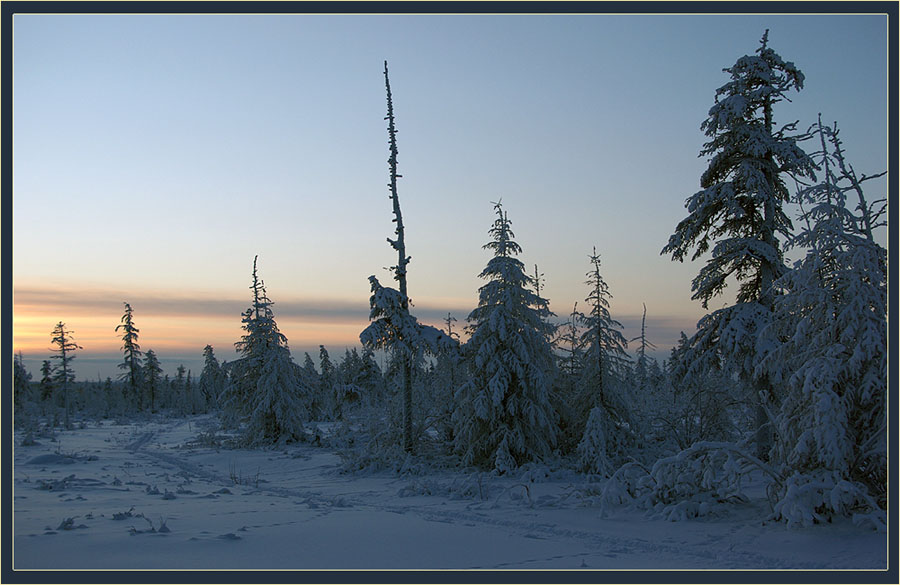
[[155, 155]]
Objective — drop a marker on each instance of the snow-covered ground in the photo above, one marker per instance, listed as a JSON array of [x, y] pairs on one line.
[[149, 495]]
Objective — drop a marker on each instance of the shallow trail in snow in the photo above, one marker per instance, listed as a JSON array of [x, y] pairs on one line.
[[113, 487], [465, 514]]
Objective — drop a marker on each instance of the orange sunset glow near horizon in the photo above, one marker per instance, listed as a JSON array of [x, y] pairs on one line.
[[178, 328], [170, 326]]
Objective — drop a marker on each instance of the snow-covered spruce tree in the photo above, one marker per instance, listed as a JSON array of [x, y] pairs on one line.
[[325, 397], [63, 375], [830, 352], [186, 396], [280, 408], [187, 401], [600, 400], [132, 377], [444, 376], [569, 344], [605, 360], [310, 377], [570, 361], [25, 411], [593, 450], [393, 327], [92, 401], [110, 396], [194, 401], [309, 367], [230, 405], [642, 363], [46, 383], [738, 215], [348, 391], [176, 389], [651, 402], [503, 415], [372, 378], [212, 377], [165, 392], [21, 382], [152, 376], [699, 404], [244, 372], [647, 389], [266, 391]]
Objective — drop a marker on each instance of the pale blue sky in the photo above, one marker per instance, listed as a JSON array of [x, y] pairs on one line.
[[155, 155]]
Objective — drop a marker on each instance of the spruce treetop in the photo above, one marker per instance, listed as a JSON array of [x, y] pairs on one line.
[[738, 215], [508, 283]]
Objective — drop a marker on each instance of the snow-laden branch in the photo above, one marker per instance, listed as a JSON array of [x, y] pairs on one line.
[[393, 327]]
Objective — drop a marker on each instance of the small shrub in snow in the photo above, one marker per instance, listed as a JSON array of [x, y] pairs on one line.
[[416, 488], [504, 462], [238, 478], [55, 484], [470, 486], [28, 440], [535, 473], [124, 515], [372, 446], [207, 439], [694, 482], [593, 450], [67, 524], [519, 492], [813, 498], [340, 502], [365, 458], [701, 479]]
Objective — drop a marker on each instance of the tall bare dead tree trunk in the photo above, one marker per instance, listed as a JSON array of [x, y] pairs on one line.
[[402, 260]]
